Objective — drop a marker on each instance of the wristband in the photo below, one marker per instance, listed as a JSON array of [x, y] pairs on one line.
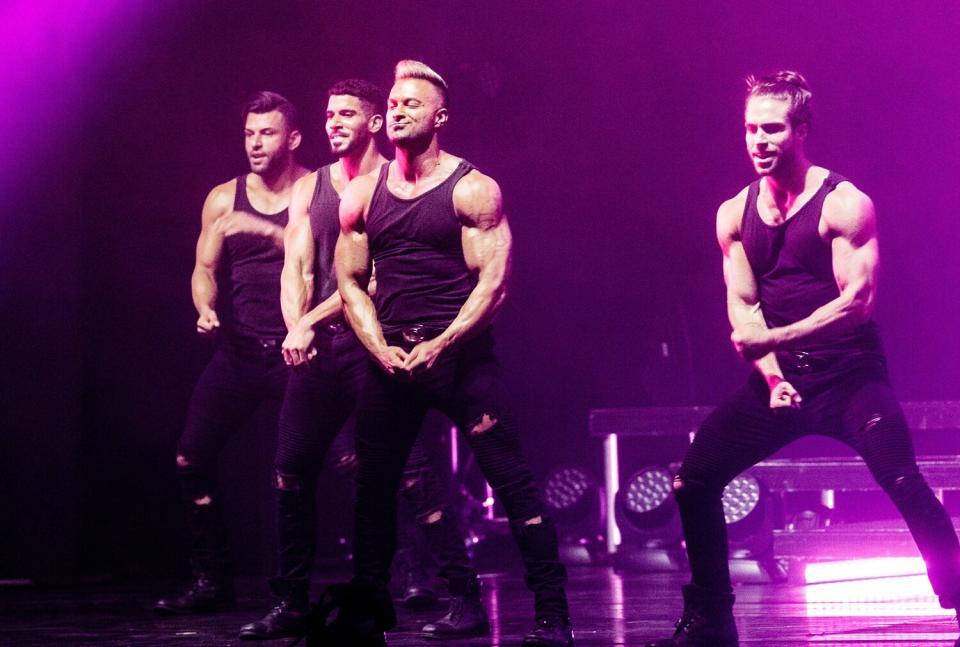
[[774, 380]]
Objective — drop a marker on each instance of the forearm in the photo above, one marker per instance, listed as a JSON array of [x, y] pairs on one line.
[[326, 310], [203, 286], [477, 313], [744, 315], [362, 315], [839, 315], [295, 295]]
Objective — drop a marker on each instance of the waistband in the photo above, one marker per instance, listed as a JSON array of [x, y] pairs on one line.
[[412, 334], [265, 343]]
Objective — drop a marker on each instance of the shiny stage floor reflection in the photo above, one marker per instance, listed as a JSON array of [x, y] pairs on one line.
[[609, 609]]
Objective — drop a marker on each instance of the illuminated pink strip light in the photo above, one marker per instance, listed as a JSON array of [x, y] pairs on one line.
[[862, 569]]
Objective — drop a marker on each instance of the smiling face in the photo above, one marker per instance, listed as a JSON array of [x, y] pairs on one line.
[[350, 124], [773, 142], [268, 141], [415, 112]]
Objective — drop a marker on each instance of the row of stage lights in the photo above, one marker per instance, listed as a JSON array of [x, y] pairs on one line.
[[647, 515]]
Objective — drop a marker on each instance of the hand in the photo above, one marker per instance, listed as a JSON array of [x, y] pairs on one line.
[[424, 355], [298, 348], [752, 342], [239, 222], [784, 396], [208, 323], [391, 359]]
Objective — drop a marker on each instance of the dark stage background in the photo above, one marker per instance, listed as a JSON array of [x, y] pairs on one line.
[[614, 129]]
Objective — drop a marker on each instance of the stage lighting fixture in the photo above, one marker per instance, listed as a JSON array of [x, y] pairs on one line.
[[568, 491], [740, 498], [573, 499], [751, 513], [646, 510]]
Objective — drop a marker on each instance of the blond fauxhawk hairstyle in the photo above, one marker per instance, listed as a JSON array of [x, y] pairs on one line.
[[410, 69], [785, 84]]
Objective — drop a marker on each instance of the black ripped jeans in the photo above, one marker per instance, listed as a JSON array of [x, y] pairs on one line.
[[466, 384], [319, 401], [848, 399], [243, 375]]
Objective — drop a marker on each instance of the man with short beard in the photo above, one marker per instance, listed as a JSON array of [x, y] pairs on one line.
[[242, 228], [329, 370], [435, 229], [800, 261]]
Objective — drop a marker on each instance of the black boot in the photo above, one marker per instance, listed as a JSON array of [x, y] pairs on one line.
[[363, 613], [707, 621], [552, 631], [288, 618], [205, 594], [465, 618], [212, 586], [417, 593]]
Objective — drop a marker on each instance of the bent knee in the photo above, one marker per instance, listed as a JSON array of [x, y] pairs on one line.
[[286, 481]]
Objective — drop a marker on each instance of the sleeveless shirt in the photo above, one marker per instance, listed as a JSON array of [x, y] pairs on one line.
[[422, 277], [255, 266], [793, 267], [324, 213]]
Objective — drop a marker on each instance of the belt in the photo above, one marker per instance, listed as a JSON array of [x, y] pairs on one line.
[[266, 343], [803, 362], [414, 333], [336, 327]]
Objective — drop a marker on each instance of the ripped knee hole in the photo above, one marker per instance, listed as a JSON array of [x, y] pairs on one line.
[[483, 424], [286, 482]]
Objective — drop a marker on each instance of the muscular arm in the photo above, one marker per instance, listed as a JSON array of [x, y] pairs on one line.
[[203, 282], [354, 268], [743, 303], [296, 279], [487, 247], [850, 219]]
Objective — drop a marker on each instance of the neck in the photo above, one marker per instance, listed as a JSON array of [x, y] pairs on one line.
[[362, 162], [418, 161], [792, 181]]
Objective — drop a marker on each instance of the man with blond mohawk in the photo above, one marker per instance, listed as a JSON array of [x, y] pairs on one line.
[[435, 227], [330, 369], [800, 262]]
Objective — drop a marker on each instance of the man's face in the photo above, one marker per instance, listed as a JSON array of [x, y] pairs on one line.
[[414, 111], [349, 125], [771, 139], [267, 141]]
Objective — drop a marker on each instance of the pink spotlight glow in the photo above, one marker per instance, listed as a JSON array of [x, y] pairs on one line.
[[908, 596], [862, 569]]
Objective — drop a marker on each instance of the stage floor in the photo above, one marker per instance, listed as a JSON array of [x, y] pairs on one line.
[[608, 609]]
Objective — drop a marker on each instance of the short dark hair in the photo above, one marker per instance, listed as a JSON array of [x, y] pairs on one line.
[[411, 69], [785, 84], [266, 101], [368, 93]]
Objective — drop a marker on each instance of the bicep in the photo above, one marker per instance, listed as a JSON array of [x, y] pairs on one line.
[[854, 246], [210, 241], [352, 255], [741, 284], [855, 262], [298, 244], [489, 248]]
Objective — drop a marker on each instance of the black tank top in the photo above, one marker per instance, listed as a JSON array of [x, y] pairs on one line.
[[325, 224], [793, 267], [255, 266], [416, 246]]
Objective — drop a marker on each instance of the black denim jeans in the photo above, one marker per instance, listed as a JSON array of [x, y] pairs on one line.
[[243, 375], [319, 401], [846, 399], [466, 384]]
